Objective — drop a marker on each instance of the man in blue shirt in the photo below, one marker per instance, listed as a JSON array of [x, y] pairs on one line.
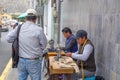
[[70, 43]]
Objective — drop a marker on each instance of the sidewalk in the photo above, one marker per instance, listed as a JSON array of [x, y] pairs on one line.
[[12, 75]]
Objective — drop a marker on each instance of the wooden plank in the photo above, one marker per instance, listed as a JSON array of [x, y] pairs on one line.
[[56, 69], [54, 54]]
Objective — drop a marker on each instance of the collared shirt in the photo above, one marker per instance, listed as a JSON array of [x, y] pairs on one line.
[[85, 55], [32, 40]]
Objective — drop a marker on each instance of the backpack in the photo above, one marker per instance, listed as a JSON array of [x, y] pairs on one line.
[[15, 49], [99, 78]]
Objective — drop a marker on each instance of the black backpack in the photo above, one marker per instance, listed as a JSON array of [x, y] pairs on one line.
[[99, 78], [15, 49]]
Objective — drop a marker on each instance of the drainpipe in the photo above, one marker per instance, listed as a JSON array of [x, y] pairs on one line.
[[39, 4], [59, 19]]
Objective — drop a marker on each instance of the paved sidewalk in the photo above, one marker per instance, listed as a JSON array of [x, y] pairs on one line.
[[12, 75]]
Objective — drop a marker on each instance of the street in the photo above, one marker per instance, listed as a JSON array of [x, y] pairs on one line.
[[5, 52]]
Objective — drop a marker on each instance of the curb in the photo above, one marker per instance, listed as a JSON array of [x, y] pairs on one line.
[[6, 70]]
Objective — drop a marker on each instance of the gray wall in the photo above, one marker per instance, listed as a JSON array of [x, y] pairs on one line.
[[14, 6], [101, 19]]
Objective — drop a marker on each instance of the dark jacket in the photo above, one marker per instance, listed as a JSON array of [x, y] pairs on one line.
[[15, 49], [89, 64], [71, 44]]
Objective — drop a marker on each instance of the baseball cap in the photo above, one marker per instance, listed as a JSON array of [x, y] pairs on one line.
[[31, 12], [81, 34]]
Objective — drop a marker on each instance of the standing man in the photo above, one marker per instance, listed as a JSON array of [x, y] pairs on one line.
[[32, 41], [70, 43], [85, 54]]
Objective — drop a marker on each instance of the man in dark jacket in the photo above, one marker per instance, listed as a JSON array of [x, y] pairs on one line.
[[70, 43]]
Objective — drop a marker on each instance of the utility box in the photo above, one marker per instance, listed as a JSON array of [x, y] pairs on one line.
[[40, 10]]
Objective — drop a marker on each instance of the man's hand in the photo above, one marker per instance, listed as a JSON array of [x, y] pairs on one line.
[[68, 54]]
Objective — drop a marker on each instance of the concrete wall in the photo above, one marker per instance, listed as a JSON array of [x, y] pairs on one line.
[[32, 4], [48, 19], [101, 19], [14, 6]]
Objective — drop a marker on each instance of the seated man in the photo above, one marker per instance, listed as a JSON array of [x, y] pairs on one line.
[[84, 55], [71, 42]]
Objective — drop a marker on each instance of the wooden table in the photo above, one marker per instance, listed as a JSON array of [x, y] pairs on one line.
[[55, 68], [53, 54], [47, 58]]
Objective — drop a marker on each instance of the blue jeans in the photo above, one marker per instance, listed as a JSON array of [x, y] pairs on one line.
[[29, 67]]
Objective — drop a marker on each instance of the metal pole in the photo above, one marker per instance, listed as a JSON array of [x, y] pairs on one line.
[[41, 16], [59, 20], [39, 21]]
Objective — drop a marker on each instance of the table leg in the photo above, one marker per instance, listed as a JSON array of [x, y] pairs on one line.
[[68, 77]]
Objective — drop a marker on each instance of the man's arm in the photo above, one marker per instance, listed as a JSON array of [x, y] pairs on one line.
[[86, 53], [12, 35], [43, 40]]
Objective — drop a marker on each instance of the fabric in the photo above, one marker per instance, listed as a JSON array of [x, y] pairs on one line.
[[29, 67], [32, 40], [71, 44]]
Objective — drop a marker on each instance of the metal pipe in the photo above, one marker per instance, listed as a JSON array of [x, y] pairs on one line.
[[59, 20], [39, 17]]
